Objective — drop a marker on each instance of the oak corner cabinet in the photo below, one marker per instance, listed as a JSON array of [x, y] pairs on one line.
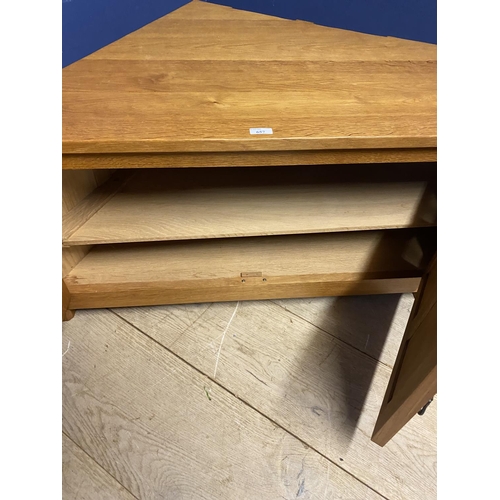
[[221, 155]]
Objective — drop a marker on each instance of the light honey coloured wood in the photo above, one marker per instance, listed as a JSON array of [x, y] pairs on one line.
[[92, 203], [198, 79], [185, 91], [210, 270], [414, 378], [246, 158], [217, 203], [67, 313], [76, 186]]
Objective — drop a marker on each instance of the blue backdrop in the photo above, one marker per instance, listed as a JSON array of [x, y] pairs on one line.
[[412, 19], [89, 25]]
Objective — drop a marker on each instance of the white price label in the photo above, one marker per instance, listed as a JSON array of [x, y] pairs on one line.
[[260, 131]]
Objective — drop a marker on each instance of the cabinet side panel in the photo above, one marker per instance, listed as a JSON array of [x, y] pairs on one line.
[[76, 185]]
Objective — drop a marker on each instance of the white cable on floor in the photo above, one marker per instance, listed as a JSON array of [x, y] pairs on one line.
[[223, 335]]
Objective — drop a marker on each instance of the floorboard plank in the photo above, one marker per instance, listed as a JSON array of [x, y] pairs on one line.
[[165, 431], [83, 479], [374, 324], [310, 383]]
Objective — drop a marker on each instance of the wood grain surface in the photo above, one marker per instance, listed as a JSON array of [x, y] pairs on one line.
[[298, 255], [83, 479], [93, 202], [76, 186], [413, 381], [376, 332], [354, 263], [246, 158], [199, 78], [308, 381], [165, 431], [168, 204]]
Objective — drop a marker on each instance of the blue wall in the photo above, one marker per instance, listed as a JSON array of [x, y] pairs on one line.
[[89, 25], [411, 19]]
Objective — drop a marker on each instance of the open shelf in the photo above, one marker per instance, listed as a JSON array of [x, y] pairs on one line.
[[180, 204], [251, 268]]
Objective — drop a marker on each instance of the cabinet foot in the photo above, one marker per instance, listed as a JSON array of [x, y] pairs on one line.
[[67, 313], [422, 410]]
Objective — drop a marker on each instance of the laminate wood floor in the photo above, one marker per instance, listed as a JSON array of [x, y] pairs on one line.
[[233, 401]]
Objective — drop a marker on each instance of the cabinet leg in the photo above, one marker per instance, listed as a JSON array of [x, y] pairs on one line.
[[422, 410], [67, 313]]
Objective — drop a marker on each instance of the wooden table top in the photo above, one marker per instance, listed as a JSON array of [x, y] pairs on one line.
[[198, 79]]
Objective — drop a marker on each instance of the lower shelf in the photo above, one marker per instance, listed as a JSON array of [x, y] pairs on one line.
[[353, 263]]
